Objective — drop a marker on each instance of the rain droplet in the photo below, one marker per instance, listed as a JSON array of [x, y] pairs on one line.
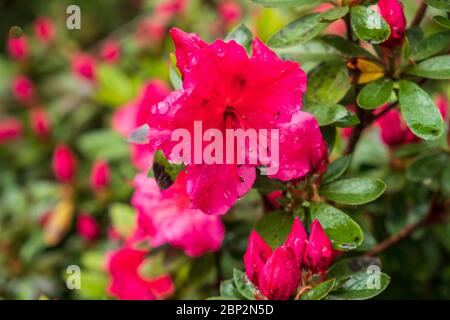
[[163, 107], [220, 53]]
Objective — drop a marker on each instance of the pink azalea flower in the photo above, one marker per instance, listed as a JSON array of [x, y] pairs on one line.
[[337, 27], [393, 129], [18, 47], [83, 66], [151, 31], [318, 251], [64, 163], [392, 12], [110, 51], [10, 129], [226, 89], [40, 122], [169, 8], [135, 114], [87, 227], [44, 29], [230, 11], [128, 284], [166, 217], [99, 175], [23, 89]]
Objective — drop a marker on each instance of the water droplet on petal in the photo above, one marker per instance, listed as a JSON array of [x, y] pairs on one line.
[[220, 53]]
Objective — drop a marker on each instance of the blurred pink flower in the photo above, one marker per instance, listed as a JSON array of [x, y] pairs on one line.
[[166, 217], [87, 227], [99, 175], [135, 114], [40, 122], [318, 251], [126, 283], [226, 89], [442, 104], [169, 8], [230, 11], [23, 89], [151, 31], [83, 66], [63, 163], [392, 12], [273, 197], [337, 27], [110, 51], [18, 47], [393, 129], [44, 29], [10, 128]]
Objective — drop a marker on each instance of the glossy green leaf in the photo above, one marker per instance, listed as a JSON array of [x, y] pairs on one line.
[[274, 227], [327, 114], [242, 35], [328, 83], [361, 286], [329, 135], [320, 291], [348, 48], [336, 169], [420, 113], [353, 191], [334, 14], [428, 168], [227, 289], [287, 3], [312, 51], [350, 120], [348, 266], [439, 4], [244, 286], [431, 45], [114, 88], [103, 143], [299, 31], [442, 21], [375, 94], [433, 68], [343, 231], [164, 171], [368, 25]]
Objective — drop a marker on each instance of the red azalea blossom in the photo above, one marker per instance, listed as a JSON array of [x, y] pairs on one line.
[[87, 227], [44, 29], [127, 283], [99, 175], [40, 122], [135, 114], [10, 128], [226, 89], [392, 12], [166, 217], [83, 66], [110, 51], [64, 163], [318, 251], [23, 89], [18, 47]]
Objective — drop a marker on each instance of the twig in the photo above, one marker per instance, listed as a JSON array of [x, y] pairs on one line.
[[420, 14]]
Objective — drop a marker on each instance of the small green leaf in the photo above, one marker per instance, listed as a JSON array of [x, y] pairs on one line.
[[244, 286], [329, 135], [275, 227], [428, 168], [353, 191], [442, 21], [368, 25], [174, 73], [348, 266], [336, 169], [375, 94], [114, 87], [165, 172], [312, 51], [287, 3], [431, 45], [361, 286], [320, 291], [333, 14], [298, 31], [227, 289], [420, 113], [123, 218], [343, 231], [433, 68], [327, 114], [439, 4], [350, 120], [348, 48], [139, 135], [242, 35], [103, 143], [328, 83]]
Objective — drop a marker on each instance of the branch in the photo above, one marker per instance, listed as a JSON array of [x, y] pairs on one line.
[[420, 14]]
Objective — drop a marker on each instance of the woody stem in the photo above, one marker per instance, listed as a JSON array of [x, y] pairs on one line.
[[420, 14]]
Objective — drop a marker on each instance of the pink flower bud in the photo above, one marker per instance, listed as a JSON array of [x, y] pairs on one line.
[[392, 12], [99, 175], [22, 89], [318, 253], [87, 227], [40, 122], [64, 163], [280, 275], [297, 240], [110, 51], [256, 255], [18, 47], [442, 104], [230, 11], [83, 66], [273, 197], [10, 128], [44, 29]]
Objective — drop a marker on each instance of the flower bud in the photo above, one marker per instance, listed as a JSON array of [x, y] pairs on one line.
[[64, 163], [22, 89], [99, 175], [87, 227], [18, 47], [230, 11], [10, 128], [297, 240], [318, 253], [83, 66], [110, 51], [40, 122], [44, 29], [256, 255], [392, 12]]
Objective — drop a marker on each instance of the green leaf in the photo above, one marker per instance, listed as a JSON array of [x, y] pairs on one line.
[[312, 51], [348, 48], [327, 114], [368, 25], [298, 31], [361, 286], [139, 135], [420, 113], [267, 185], [227, 289], [329, 135], [104, 144], [445, 180], [336, 169], [348, 266], [275, 227], [350, 120], [442, 21], [375, 94], [431, 45], [353, 191], [320, 291], [242, 35], [343, 231], [165, 172], [333, 14], [174, 73], [123, 218], [433, 68], [244, 286], [328, 83], [428, 168], [287, 3], [439, 4], [114, 88]]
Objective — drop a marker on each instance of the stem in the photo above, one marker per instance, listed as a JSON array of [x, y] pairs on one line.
[[420, 14]]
